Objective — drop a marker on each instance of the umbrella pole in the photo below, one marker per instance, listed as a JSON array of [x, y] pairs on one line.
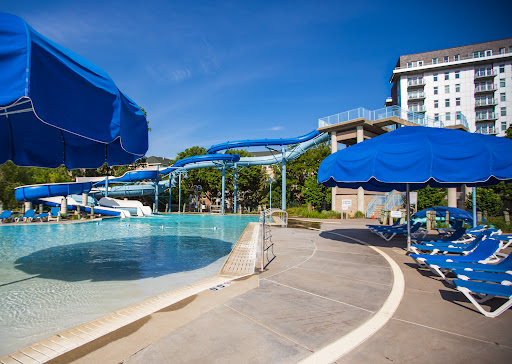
[[474, 207], [408, 217]]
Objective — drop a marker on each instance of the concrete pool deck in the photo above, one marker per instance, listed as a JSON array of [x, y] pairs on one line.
[[324, 294]]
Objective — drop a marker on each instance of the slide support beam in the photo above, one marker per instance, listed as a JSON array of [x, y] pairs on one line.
[[235, 192], [223, 188]]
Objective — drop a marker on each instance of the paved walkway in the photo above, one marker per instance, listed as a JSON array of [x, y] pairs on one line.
[[325, 293]]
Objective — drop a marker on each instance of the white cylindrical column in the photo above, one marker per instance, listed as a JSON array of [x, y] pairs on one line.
[[28, 205], [85, 199], [452, 197], [63, 206]]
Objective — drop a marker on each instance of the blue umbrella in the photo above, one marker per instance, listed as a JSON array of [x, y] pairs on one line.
[[414, 157], [58, 108]]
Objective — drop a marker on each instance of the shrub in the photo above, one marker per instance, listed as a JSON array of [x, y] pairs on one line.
[[359, 215], [486, 200]]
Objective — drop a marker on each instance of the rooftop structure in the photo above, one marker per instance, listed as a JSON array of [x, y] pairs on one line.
[[472, 82]]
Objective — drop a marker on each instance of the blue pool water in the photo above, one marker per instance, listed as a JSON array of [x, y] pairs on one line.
[[55, 277]]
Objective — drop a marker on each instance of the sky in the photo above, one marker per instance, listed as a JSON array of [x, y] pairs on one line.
[[208, 72]]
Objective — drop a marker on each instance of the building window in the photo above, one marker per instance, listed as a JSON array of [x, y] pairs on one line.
[[503, 111], [503, 96], [456, 57], [447, 75], [457, 74], [436, 117], [457, 87], [502, 50], [414, 64], [447, 102], [457, 101], [458, 115], [502, 82], [435, 76], [488, 53], [502, 68], [446, 58], [436, 90], [447, 116], [436, 104], [503, 126], [447, 89], [434, 60]]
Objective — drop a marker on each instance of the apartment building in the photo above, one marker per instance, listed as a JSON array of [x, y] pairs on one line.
[[472, 82]]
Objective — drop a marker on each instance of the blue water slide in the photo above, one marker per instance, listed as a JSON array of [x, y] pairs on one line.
[[133, 176], [262, 142], [33, 192], [87, 209], [207, 158]]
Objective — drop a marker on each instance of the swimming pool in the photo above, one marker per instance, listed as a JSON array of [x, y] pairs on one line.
[[55, 277]]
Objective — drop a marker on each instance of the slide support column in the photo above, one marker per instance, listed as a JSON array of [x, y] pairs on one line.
[[156, 190], [179, 195], [106, 186], [283, 172], [234, 196], [223, 187]]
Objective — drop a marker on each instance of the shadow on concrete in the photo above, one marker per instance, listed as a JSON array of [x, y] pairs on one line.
[[124, 259], [364, 235]]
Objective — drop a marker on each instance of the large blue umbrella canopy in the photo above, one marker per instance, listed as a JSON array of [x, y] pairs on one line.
[[58, 108], [419, 156]]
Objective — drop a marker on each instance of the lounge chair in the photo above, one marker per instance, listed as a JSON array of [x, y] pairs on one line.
[[29, 214], [395, 224], [390, 233], [451, 247], [484, 292], [485, 252], [40, 216], [6, 216], [501, 278], [54, 214], [457, 235], [504, 266], [456, 225]]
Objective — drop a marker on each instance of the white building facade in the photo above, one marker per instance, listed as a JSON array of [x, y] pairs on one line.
[[472, 82]]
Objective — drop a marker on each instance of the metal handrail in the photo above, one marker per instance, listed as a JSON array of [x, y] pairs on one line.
[[376, 201], [485, 102], [267, 246]]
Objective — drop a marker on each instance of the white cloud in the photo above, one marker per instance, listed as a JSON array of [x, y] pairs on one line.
[[276, 128]]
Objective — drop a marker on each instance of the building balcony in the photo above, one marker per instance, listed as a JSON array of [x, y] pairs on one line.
[[486, 102], [415, 83], [416, 96], [421, 108], [485, 74], [488, 130], [485, 88], [489, 116]]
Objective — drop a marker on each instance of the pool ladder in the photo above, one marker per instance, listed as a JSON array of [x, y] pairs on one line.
[[267, 246]]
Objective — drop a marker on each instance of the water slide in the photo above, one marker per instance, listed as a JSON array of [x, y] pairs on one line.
[[291, 148]]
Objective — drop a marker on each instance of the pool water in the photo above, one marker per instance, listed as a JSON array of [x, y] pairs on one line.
[[55, 277]]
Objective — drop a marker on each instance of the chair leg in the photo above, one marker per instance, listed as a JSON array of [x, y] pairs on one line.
[[494, 313]]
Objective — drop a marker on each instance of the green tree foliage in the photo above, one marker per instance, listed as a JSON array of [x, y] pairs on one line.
[[12, 176], [313, 193], [486, 200], [430, 197], [509, 133]]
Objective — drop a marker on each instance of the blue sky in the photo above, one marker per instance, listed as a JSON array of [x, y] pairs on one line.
[[212, 71]]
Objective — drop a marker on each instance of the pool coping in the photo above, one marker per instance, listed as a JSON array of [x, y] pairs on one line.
[[240, 263]]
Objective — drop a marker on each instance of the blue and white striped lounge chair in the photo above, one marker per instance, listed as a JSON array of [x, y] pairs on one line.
[[29, 214], [501, 278], [6, 216], [485, 291]]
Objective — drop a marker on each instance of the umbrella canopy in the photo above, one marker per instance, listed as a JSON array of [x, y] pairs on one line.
[[58, 108], [455, 213], [420, 156]]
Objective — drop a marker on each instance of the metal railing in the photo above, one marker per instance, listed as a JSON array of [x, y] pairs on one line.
[[417, 108], [417, 82], [485, 87], [485, 116], [485, 102], [488, 130], [485, 73], [377, 200], [415, 95], [267, 246], [386, 112], [394, 200]]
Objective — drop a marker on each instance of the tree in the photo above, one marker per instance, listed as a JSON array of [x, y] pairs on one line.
[[486, 200], [314, 193], [509, 133], [430, 197]]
